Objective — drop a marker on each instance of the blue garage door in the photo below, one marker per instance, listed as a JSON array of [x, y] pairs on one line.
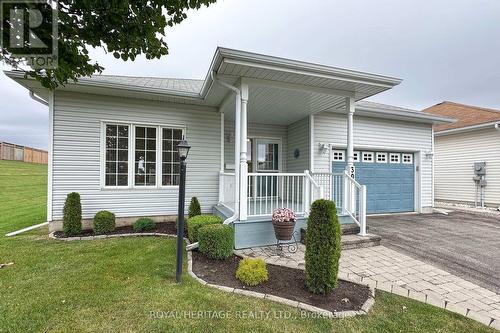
[[389, 179]]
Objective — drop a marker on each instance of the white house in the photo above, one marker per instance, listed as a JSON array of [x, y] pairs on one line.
[[474, 139], [265, 132]]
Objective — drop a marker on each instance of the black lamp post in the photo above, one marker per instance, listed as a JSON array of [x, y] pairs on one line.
[[183, 150]]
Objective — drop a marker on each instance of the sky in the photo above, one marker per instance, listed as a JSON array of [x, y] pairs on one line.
[[442, 49]]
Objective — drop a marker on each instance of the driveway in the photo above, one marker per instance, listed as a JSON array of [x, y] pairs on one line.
[[462, 243]]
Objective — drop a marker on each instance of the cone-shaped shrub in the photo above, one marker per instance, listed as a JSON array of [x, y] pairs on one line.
[[194, 207], [72, 220], [323, 247]]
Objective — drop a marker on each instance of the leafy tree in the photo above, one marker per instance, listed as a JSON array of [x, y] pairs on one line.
[[125, 28]]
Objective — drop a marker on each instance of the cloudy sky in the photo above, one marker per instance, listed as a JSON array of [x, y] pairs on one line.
[[442, 49]]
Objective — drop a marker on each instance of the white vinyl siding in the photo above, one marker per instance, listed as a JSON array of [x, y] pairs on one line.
[[77, 160], [298, 139], [379, 134], [455, 156]]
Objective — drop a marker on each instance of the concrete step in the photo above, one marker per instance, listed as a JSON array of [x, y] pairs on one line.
[[350, 242]]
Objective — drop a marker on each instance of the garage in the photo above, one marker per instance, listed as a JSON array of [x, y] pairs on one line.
[[389, 178]]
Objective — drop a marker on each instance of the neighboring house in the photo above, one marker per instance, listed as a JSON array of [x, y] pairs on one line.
[[474, 137], [281, 130]]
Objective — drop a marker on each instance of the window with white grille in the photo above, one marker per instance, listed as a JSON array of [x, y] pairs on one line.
[[367, 157], [407, 158], [339, 155], [116, 154], [381, 157], [394, 158]]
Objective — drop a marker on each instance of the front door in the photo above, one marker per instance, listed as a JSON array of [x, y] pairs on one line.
[[265, 158]]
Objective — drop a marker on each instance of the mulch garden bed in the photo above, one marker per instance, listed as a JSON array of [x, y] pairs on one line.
[[161, 227], [283, 282]]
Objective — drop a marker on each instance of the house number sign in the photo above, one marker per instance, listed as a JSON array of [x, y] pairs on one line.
[[352, 172]]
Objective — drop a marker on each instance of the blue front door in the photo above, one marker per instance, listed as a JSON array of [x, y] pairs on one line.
[[389, 180]]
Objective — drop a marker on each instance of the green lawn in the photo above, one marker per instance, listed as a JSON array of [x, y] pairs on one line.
[[114, 284]]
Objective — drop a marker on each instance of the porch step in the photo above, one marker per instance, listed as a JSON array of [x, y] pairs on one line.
[[350, 229], [350, 242], [350, 239]]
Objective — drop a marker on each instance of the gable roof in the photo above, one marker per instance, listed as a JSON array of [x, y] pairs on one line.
[[466, 115]]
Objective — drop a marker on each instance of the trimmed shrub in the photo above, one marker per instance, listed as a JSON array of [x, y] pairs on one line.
[[72, 220], [143, 224], [216, 241], [104, 222], [196, 222], [194, 207], [323, 247], [252, 271]]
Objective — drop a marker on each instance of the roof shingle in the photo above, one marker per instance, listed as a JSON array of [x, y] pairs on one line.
[[466, 115]]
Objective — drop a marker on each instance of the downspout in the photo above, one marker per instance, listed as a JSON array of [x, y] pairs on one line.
[[37, 99], [237, 147]]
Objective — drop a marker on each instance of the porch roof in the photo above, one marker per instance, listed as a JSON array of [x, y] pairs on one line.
[[309, 81]]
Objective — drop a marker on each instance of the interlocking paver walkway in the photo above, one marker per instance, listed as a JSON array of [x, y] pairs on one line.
[[388, 266]]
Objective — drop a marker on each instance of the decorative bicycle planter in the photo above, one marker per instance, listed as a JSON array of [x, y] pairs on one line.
[[284, 220]]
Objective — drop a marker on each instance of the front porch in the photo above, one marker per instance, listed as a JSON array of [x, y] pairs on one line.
[[266, 165], [268, 145]]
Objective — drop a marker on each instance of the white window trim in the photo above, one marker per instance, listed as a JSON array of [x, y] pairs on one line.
[[367, 153], [406, 155], [356, 156], [342, 152], [380, 154], [131, 155], [398, 155]]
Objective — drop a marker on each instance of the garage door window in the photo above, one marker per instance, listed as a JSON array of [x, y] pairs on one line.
[[338, 155], [395, 158], [407, 158], [367, 157], [381, 157], [356, 156]]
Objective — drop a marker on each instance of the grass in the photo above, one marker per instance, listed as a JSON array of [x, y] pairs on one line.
[[115, 284]]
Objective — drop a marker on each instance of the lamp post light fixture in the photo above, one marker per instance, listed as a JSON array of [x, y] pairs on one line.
[[183, 150]]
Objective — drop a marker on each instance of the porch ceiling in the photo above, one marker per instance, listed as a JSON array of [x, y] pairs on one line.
[[278, 106]]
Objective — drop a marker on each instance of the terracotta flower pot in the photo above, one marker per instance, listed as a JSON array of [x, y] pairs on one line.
[[283, 230]]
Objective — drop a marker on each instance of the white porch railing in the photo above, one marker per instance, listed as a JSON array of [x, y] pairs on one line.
[[268, 191], [226, 189], [333, 183], [348, 195]]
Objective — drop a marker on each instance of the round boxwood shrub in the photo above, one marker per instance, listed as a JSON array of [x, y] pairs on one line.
[[216, 241], [144, 224], [196, 222], [323, 247], [194, 207], [252, 271], [104, 222], [72, 220]]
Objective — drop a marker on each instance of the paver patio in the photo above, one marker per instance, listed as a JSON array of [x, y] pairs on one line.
[[391, 268]]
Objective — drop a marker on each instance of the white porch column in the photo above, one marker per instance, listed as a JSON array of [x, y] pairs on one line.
[[349, 199], [237, 134], [350, 133], [243, 153]]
